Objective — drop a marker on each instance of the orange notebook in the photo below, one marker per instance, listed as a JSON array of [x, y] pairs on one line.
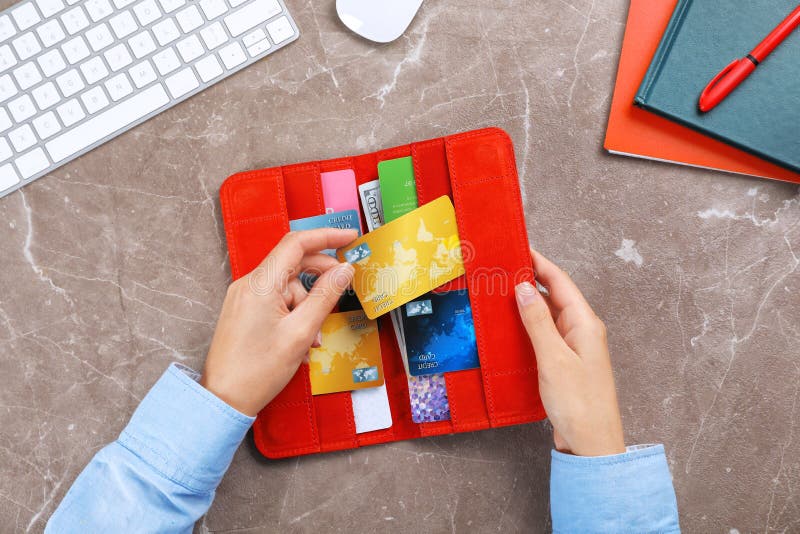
[[633, 131]]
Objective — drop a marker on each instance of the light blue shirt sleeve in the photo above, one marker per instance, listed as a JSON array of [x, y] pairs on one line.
[[628, 492], [161, 473]]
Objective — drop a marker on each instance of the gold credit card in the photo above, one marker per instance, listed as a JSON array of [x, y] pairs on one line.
[[349, 356], [405, 258]]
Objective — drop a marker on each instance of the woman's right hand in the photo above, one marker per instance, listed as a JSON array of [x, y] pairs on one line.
[[576, 382]]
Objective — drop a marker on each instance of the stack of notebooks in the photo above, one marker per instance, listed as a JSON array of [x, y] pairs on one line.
[[671, 50]]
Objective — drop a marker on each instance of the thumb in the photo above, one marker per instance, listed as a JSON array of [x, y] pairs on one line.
[[322, 297], [538, 321]]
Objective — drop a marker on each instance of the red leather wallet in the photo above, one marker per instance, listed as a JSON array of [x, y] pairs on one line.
[[477, 170]]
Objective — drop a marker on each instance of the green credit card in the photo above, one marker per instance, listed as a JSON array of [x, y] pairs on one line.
[[398, 189]]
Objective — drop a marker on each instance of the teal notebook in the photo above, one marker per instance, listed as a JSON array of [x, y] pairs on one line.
[[762, 115]]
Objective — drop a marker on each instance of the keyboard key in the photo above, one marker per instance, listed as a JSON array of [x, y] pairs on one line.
[[49, 7], [123, 24], [142, 44], [6, 28], [94, 99], [8, 177], [118, 57], [22, 108], [74, 20], [213, 8], [31, 163], [232, 55], [142, 74], [46, 95], [99, 37], [7, 88], [166, 31], [106, 123], [70, 83], [182, 82], [25, 16], [214, 35], [5, 152], [190, 48], [51, 33], [251, 16], [258, 48], [70, 112], [51, 63], [253, 37], [98, 9], [118, 87], [7, 59], [5, 120], [22, 138], [75, 50], [208, 68], [237, 3], [171, 5], [166, 61], [147, 12], [189, 19], [26, 45], [123, 3], [46, 125], [280, 30], [94, 70], [27, 76]]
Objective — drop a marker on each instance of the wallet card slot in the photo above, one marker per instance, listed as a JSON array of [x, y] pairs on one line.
[[397, 390], [255, 211], [333, 412], [464, 388], [489, 214]]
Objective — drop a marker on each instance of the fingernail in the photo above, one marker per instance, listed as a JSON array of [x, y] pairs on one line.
[[343, 275], [526, 294], [317, 340], [544, 290]]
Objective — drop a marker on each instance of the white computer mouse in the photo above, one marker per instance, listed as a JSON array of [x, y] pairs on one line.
[[381, 21]]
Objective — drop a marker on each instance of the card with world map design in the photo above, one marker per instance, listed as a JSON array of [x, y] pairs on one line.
[[405, 258], [349, 355]]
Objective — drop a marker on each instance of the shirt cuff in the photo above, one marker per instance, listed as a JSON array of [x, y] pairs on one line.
[[184, 431], [629, 492]]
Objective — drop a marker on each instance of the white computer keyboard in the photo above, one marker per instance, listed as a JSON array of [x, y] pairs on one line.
[[76, 73]]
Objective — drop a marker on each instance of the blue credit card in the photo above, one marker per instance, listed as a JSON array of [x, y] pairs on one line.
[[347, 220], [439, 333]]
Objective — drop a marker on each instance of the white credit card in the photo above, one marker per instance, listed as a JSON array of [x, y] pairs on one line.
[[371, 409]]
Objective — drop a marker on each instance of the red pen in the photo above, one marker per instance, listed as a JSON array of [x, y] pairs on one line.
[[739, 69]]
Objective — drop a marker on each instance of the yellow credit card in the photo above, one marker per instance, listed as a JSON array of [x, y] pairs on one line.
[[349, 356], [405, 258]]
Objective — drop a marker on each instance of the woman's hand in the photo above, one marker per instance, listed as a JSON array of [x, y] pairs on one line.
[[575, 378], [268, 320]]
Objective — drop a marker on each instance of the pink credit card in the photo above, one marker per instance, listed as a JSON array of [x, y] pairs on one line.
[[339, 192]]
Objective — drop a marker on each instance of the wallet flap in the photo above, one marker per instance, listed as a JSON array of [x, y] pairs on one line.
[[497, 256]]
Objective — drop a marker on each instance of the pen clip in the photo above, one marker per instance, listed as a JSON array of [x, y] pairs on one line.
[[718, 77]]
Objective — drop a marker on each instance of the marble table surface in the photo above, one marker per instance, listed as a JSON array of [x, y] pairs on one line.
[[115, 265]]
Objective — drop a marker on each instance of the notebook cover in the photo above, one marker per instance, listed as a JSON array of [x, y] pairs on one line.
[[702, 37], [635, 132], [477, 170]]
